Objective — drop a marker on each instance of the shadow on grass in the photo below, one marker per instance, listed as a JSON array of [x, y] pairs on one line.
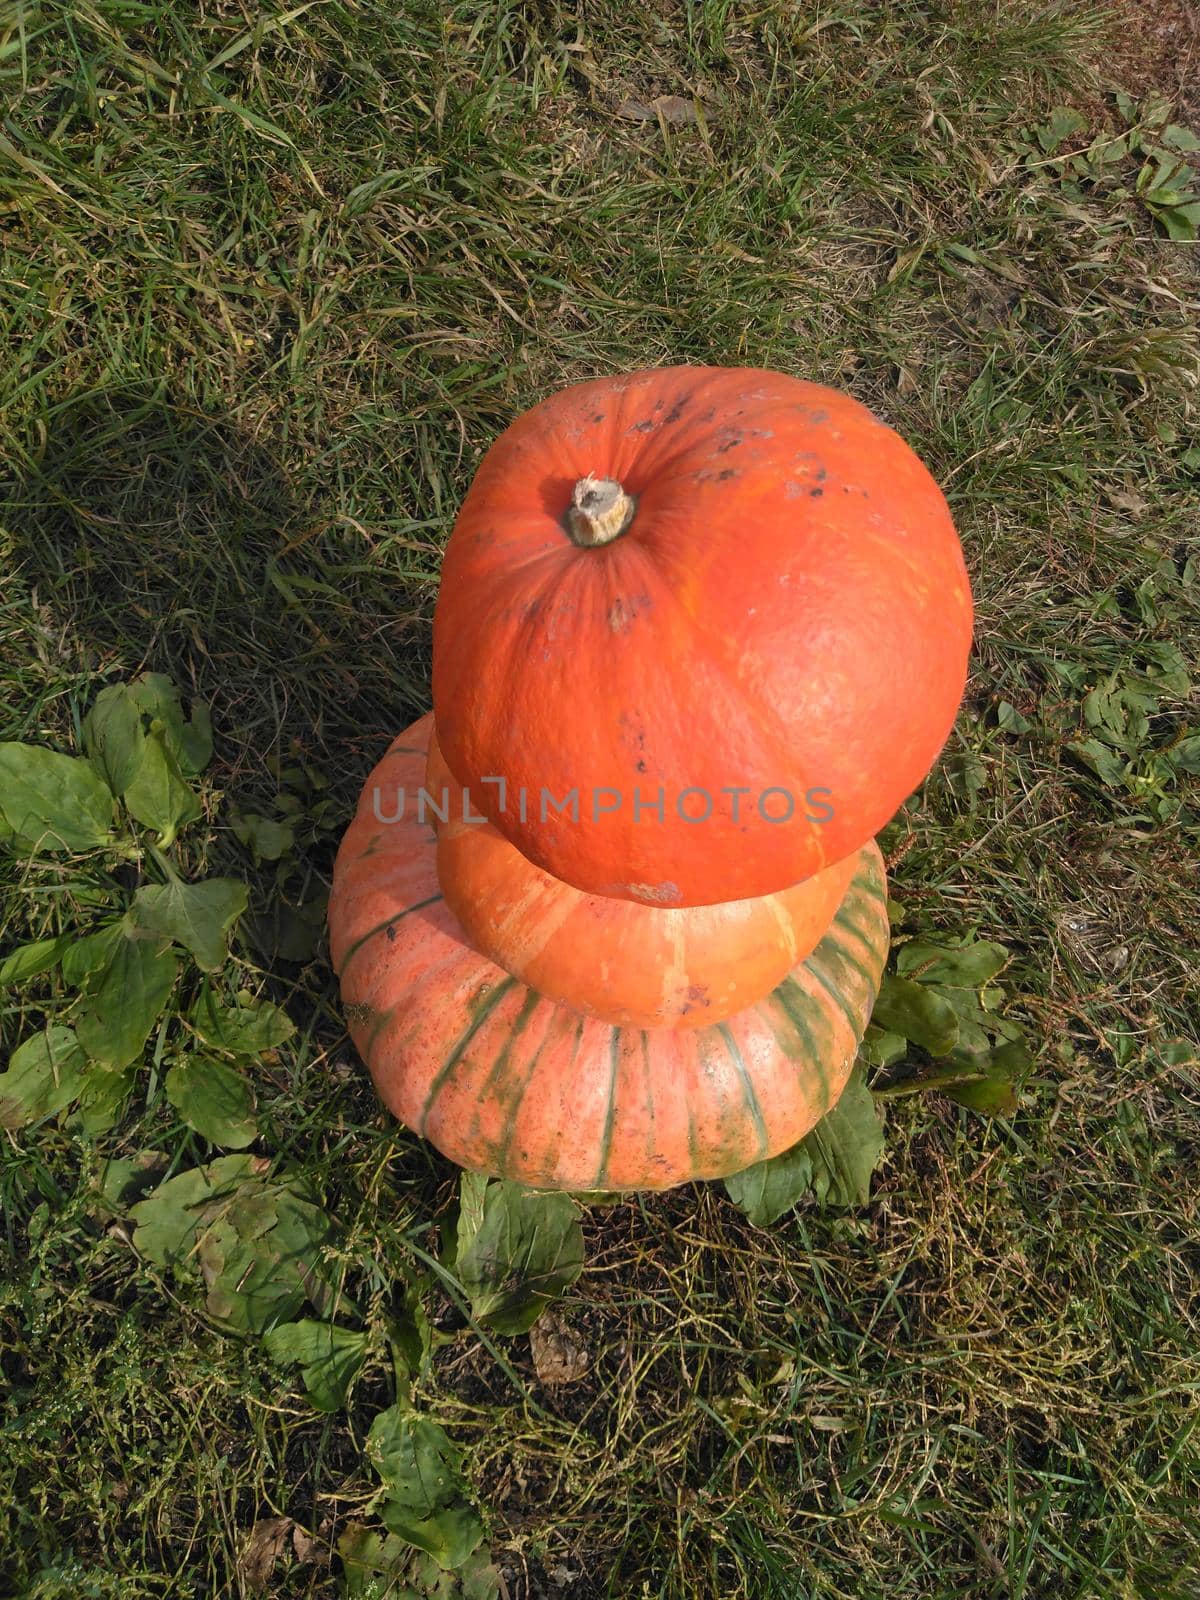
[[163, 536]]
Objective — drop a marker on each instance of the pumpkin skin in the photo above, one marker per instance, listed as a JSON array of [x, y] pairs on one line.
[[788, 609], [507, 1082], [634, 965]]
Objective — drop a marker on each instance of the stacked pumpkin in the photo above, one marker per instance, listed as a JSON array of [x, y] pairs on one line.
[[700, 632]]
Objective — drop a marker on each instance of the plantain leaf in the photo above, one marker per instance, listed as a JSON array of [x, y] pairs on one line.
[[113, 737], [330, 1357], [189, 742], [916, 1012], [52, 802], [214, 1100], [157, 795], [242, 1030], [969, 965], [125, 998], [523, 1252], [834, 1162], [28, 960], [45, 1074]]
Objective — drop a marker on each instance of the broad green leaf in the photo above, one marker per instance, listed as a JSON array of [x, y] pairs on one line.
[[993, 1090], [449, 1535], [45, 1074], [330, 1357], [1109, 768], [769, 1188], [420, 1467], [1180, 138], [242, 1030], [125, 999], [259, 1258], [1010, 719], [914, 1010], [113, 738], [198, 916], [1185, 755], [266, 838], [158, 796], [526, 1251], [189, 742], [52, 802], [883, 1049], [28, 960], [410, 1333], [90, 954], [373, 1564], [962, 966], [472, 1188], [214, 1100], [834, 1162], [168, 1220]]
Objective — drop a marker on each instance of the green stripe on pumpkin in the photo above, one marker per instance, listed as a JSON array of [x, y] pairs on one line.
[[492, 1093], [503, 1151], [610, 1116], [752, 1105], [801, 1010], [481, 1007], [382, 927], [852, 1016]]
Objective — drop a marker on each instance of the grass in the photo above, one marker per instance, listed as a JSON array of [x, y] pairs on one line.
[[270, 283]]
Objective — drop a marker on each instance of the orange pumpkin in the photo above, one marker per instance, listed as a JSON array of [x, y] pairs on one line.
[[505, 1081], [639, 966], [724, 589]]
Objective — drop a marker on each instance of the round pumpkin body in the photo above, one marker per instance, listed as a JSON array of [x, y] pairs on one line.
[[508, 1082], [635, 965], [728, 681]]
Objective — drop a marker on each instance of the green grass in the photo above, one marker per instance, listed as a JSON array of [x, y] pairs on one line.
[[270, 282]]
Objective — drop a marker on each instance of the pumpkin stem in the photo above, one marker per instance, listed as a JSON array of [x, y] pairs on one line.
[[600, 511]]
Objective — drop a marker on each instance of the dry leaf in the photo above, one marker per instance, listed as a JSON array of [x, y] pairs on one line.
[[672, 108], [261, 1551], [1128, 500], [558, 1356], [309, 1550]]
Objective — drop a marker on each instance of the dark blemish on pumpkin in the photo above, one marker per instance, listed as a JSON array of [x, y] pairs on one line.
[[359, 1013], [642, 427], [816, 494], [729, 444], [729, 472], [708, 415], [391, 933], [821, 474], [622, 612], [599, 417], [864, 494], [640, 767], [676, 410]]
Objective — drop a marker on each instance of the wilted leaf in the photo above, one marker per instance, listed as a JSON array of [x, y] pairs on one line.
[[198, 916], [45, 1074], [261, 1257], [558, 1356], [213, 1099], [672, 108], [330, 1358], [835, 1161], [28, 960], [366, 1557], [52, 802], [914, 1010], [168, 1221], [525, 1252], [113, 738], [125, 998], [263, 1547], [242, 1030], [157, 795]]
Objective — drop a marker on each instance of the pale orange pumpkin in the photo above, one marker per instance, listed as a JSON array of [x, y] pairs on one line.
[[635, 965], [505, 1081]]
